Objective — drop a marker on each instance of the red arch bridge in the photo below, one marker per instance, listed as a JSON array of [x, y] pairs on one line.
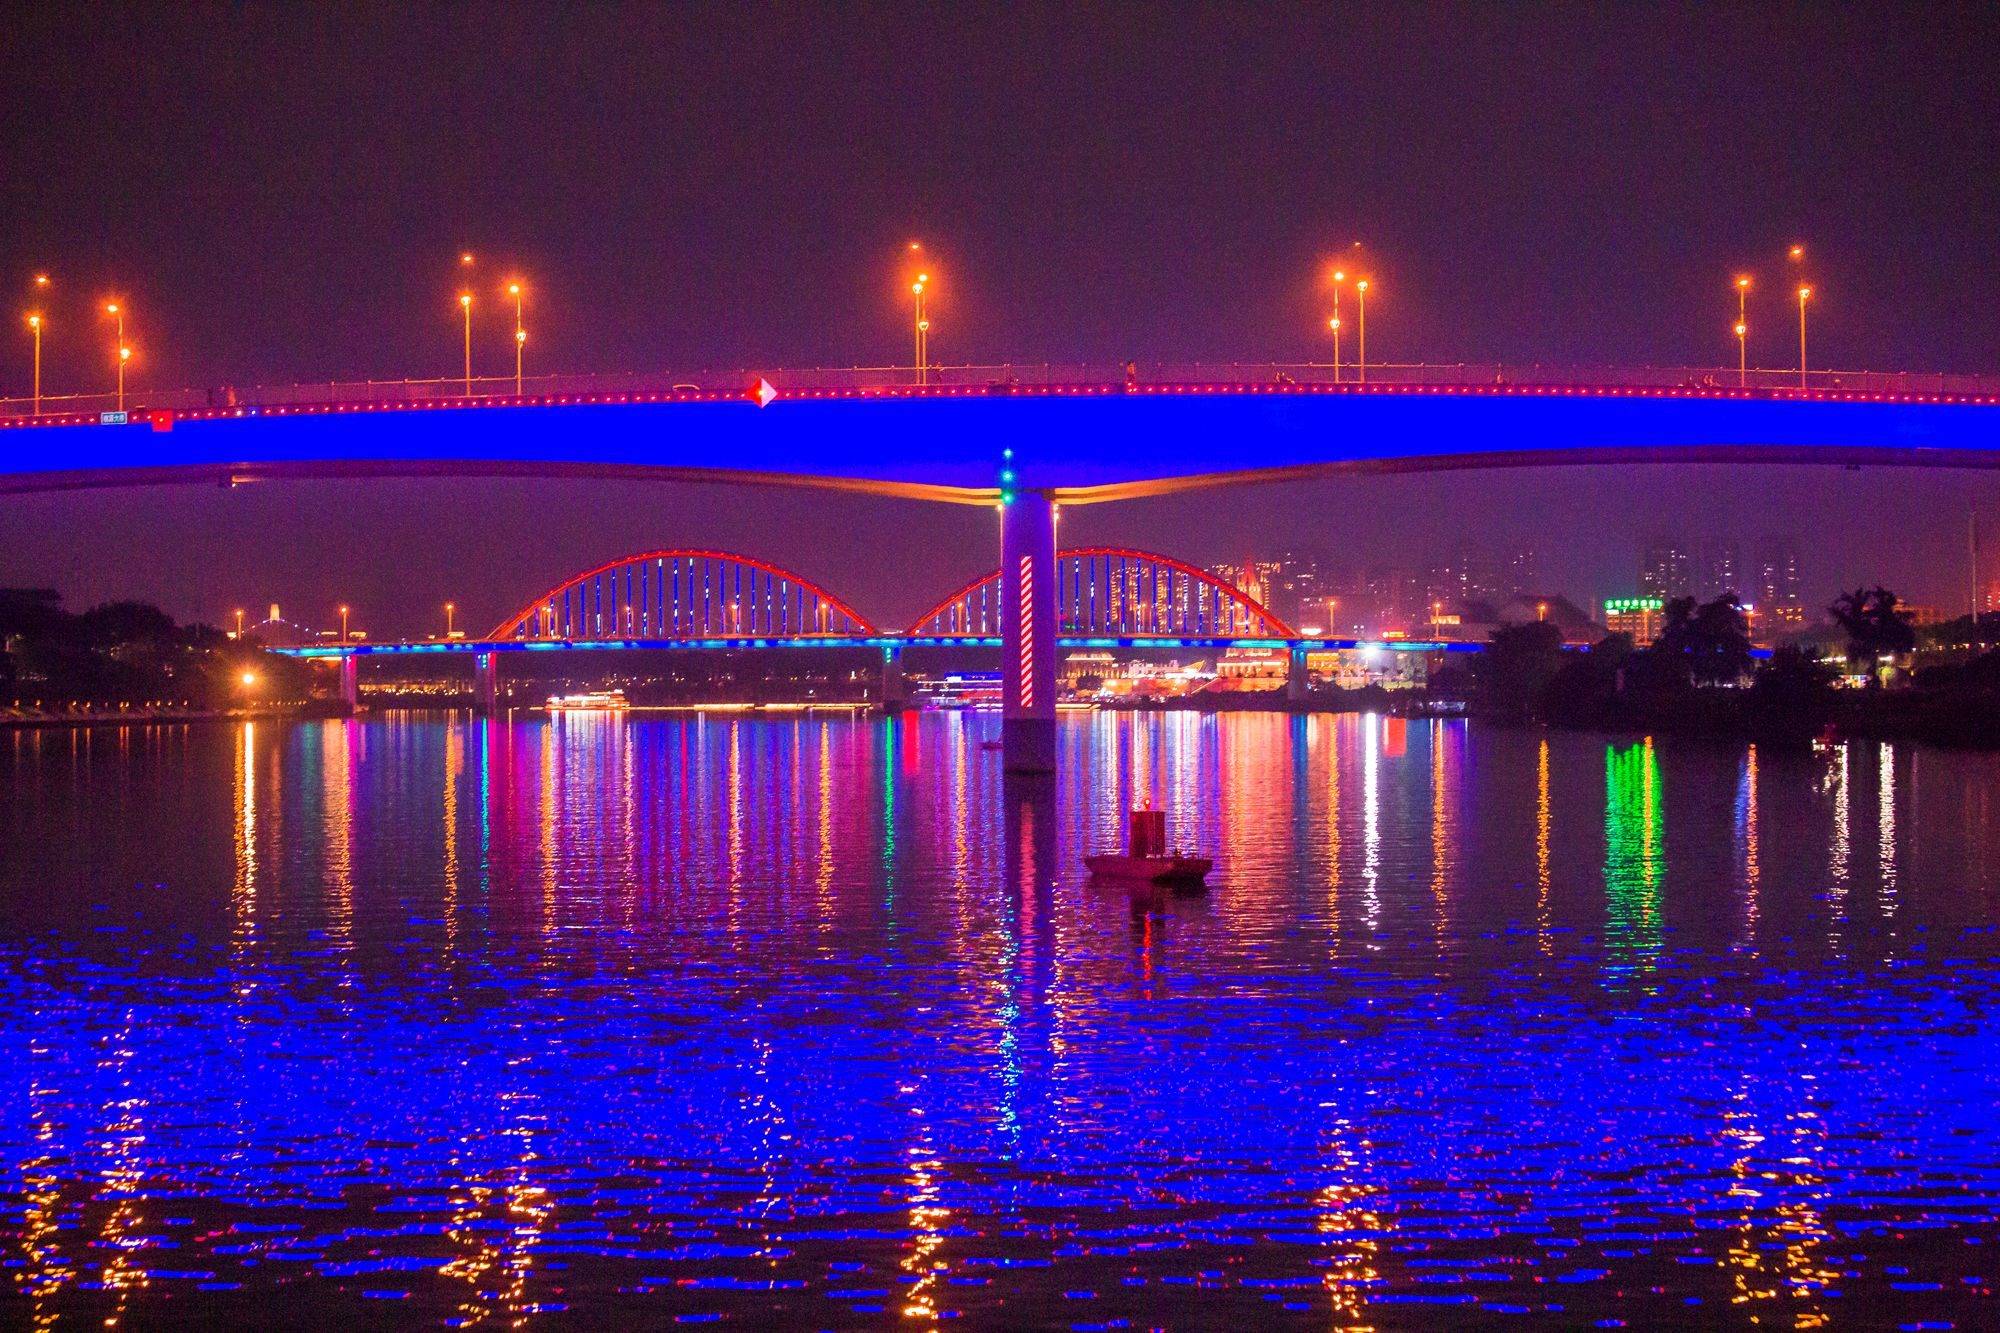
[[689, 598], [1024, 439]]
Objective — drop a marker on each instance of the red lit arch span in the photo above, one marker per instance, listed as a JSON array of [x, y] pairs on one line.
[[935, 621], [841, 617]]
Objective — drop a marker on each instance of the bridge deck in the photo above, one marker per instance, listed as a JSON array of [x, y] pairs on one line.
[[1084, 442]]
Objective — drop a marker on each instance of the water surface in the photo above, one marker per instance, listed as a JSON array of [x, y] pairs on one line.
[[817, 1022]]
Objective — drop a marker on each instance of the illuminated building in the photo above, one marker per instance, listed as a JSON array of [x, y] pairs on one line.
[[1251, 669], [1637, 616]]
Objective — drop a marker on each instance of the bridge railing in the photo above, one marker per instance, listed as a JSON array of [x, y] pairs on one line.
[[1029, 375]]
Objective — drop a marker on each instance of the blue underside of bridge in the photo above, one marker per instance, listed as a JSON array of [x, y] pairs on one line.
[[1062, 442], [882, 641]]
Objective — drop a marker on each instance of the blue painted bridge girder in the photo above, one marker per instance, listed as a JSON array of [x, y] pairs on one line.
[[1081, 444]]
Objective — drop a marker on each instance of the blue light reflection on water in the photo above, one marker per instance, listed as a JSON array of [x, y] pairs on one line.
[[736, 1016]]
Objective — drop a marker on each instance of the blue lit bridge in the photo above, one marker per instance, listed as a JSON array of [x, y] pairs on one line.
[[1027, 444]]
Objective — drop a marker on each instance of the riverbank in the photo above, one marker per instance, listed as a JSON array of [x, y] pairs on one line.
[[18, 719]]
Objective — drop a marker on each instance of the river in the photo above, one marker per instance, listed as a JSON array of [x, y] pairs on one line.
[[816, 1022]]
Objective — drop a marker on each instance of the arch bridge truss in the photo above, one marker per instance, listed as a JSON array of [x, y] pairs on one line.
[[1119, 592], [684, 594]]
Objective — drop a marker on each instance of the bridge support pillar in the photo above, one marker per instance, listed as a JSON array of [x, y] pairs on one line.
[[485, 685], [894, 698], [1298, 681], [1028, 632], [350, 682]]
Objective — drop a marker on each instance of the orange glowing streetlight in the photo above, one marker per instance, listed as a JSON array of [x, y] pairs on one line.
[[1339, 277], [239, 622], [1805, 294], [343, 622], [1742, 330], [35, 330], [1361, 329], [922, 328], [465, 305], [520, 334], [920, 319], [121, 353], [449, 609]]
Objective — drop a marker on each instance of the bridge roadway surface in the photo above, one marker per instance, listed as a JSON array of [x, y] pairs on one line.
[[1076, 443]]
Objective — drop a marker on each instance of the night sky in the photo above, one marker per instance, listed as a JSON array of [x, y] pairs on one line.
[[281, 192]]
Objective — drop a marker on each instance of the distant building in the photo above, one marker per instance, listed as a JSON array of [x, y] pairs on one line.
[[277, 632], [1252, 669], [1574, 622], [1665, 571], [1922, 614], [1779, 599]]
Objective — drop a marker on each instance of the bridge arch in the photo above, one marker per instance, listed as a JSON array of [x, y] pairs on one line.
[[1119, 591], [684, 593]]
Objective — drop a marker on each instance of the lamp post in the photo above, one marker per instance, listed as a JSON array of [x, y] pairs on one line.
[[239, 624], [343, 623], [1805, 293], [465, 305], [1742, 332], [35, 328], [1361, 329], [123, 353], [520, 335], [449, 608], [1334, 323], [922, 330]]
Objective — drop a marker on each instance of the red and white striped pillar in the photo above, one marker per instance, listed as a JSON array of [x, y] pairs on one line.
[[1028, 632]]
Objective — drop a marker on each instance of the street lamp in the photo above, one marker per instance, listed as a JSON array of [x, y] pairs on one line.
[[1361, 329], [1742, 332], [35, 327], [465, 304], [239, 624], [1805, 293], [923, 328], [449, 609], [117, 312], [1334, 323], [520, 335], [343, 623]]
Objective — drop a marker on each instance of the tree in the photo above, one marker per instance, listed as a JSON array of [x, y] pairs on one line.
[[1709, 640], [1518, 663], [1586, 685], [1875, 626]]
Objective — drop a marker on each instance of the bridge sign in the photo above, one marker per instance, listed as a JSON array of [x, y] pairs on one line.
[[110, 418]]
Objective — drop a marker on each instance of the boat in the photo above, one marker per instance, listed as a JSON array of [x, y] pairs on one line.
[[1146, 859], [591, 701]]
